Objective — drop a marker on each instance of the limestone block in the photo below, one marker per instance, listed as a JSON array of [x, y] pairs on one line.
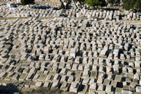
[[85, 81], [64, 86], [70, 59], [95, 54], [80, 67], [2, 74], [137, 58], [90, 61], [127, 92], [41, 57], [15, 77], [113, 83], [101, 69], [32, 70], [124, 70], [85, 60], [29, 76], [116, 51], [132, 85], [68, 66], [64, 78], [55, 84], [36, 76], [93, 86], [27, 83], [74, 66], [94, 68], [118, 78], [99, 80], [46, 84], [92, 80], [103, 52], [39, 84], [73, 52], [106, 82], [138, 89], [86, 72], [122, 57], [33, 84], [137, 64], [42, 77], [116, 68], [48, 78], [47, 57], [91, 91], [101, 92], [118, 90], [110, 56], [108, 88], [22, 77], [62, 64], [63, 71], [131, 64], [56, 77], [100, 87], [74, 87], [9, 69], [70, 79], [130, 70]]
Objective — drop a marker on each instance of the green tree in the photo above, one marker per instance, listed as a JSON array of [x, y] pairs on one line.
[[138, 5], [127, 4], [113, 1], [110, 1], [94, 3], [117, 1], [132, 4]]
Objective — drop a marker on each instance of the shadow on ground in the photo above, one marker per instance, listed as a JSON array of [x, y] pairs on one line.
[[12, 89], [9, 89]]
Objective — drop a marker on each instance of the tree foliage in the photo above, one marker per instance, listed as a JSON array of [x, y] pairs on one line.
[[94, 3], [138, 5], [132, 4], [113, 1], [24, 2], [127, 4]]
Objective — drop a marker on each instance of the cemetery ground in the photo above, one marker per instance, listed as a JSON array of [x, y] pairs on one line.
[[76, 51]]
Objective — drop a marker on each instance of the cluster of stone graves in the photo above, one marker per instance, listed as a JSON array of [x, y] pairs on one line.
[[72, 54], [128, 15], [80, 56], [26, 11]]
